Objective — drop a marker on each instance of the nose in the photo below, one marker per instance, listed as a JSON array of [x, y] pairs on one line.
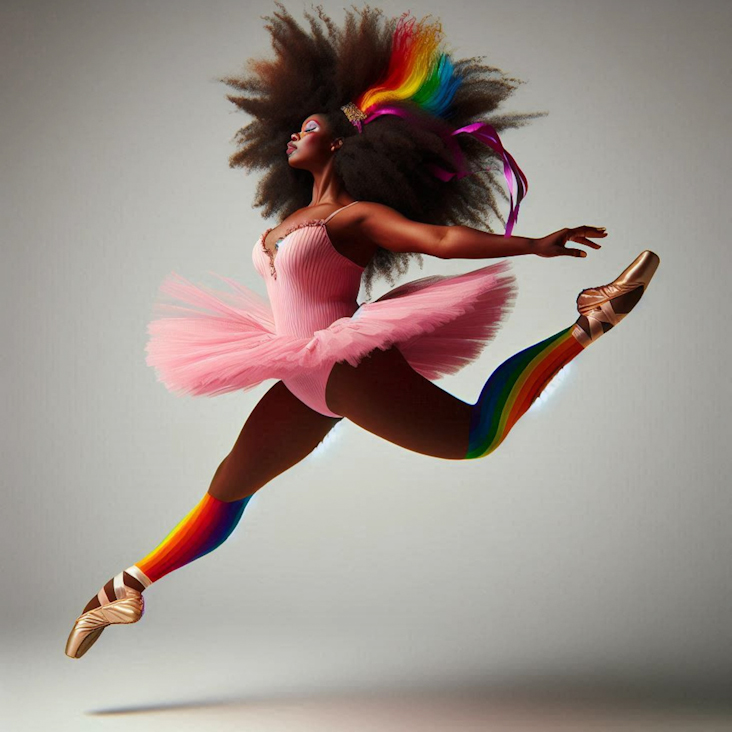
[[295, 136]]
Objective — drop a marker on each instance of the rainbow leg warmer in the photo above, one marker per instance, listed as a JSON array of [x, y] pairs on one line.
[[205, 528], [514, 385]]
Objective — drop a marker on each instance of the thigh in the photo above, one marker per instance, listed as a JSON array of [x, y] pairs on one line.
[[387, 397], [279, 432]]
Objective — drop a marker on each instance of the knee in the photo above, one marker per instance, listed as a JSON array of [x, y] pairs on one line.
[[227, 486]]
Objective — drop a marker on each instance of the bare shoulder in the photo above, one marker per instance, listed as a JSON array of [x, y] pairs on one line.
[[368, 212], [364, 219], [383, 226], [348, 234], [352, 216]]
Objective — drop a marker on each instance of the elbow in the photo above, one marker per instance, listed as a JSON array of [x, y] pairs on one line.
[[442, 247]]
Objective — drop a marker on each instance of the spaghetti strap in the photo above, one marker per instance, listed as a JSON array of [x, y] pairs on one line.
[[325, 221]]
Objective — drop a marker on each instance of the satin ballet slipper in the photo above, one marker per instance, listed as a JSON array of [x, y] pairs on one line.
[[595, 303], [127, 607]]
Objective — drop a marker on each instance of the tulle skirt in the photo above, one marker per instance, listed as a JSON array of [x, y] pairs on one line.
[[222, 341]]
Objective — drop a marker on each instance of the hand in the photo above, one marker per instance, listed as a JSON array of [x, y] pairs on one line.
[[553, 245]]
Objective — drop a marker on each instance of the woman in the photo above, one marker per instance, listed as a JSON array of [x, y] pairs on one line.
[[371, 173]]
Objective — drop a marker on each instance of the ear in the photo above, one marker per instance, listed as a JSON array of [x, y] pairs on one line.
[[336, 144]]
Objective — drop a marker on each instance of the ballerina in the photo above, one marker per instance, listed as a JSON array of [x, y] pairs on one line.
[[370, 175]]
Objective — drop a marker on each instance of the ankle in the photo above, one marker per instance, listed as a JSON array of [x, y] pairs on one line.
[[599, 312], [133, 583], [130, 581], [134, 578], [584, 332]]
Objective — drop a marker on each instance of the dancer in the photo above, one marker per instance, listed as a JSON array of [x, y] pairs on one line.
[[387, 159]]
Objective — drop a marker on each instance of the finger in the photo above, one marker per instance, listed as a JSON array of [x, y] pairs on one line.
[[593, 231], [575, 253], [587, 242]]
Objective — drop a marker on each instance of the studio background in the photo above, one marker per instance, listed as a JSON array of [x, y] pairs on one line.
[[591, 550]]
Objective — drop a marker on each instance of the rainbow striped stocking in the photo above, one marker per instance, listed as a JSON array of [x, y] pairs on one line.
[[205, 528], [514, 385]]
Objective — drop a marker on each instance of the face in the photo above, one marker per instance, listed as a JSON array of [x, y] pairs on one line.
[[313, 145]]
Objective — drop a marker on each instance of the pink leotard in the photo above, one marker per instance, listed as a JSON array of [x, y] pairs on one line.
[[310, 285], [217, 342]]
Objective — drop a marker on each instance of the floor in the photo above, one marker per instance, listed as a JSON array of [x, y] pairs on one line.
[[177, 685]]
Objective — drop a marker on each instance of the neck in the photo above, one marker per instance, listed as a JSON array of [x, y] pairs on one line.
[[326, 186]]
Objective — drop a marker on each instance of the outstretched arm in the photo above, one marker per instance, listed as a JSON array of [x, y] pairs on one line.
[[387, 228]]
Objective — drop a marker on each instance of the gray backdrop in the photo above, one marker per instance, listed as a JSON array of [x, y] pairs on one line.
[[591, 549]]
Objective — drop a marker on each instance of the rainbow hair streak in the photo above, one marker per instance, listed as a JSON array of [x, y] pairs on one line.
[[421, 80], [418, 71]]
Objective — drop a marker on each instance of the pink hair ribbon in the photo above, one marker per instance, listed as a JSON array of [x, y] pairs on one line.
[[517, 182]]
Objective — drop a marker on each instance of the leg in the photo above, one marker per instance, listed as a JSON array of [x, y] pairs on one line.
[[385, 396], [388, 398], [279, 433]]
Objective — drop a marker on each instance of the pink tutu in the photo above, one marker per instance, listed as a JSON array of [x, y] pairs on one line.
[[220, 341]]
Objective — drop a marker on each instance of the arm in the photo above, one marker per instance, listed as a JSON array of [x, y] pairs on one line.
[[463, 242], [389, 229]]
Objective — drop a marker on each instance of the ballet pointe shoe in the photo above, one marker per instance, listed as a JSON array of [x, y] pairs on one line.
[[595, 303], [128, 607]]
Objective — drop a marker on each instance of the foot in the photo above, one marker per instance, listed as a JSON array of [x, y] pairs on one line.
[[118, 602], [603, 307]]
